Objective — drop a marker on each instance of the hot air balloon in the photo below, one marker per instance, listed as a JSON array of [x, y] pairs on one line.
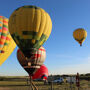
[[7, 45], [41, 73], [34, 62], [30, 27], [80, 35]]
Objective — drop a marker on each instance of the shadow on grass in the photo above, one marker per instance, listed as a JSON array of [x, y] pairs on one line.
[[12, 85]]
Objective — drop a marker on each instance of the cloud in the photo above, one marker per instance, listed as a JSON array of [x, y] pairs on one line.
[[63, 56], [81, 68]]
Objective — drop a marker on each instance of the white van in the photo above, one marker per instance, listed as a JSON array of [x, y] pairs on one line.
[[71, 79]]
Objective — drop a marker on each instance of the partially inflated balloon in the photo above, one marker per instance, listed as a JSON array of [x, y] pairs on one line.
[[41, 73], [7, 45], [34, 62], [80, 35], [30, 26]]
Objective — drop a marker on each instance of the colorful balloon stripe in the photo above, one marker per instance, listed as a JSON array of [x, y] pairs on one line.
[[0, 30], [5, 22], [3, 37], [3, 31], [4, 28], [1, 46], [0, 27], [1, 43], [7, 38], [7, 44]]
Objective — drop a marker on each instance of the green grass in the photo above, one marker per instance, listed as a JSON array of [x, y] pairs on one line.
[[12, 83], [20, 84]]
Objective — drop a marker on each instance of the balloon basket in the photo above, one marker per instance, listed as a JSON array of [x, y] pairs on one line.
[[32, 85], [80, 45]]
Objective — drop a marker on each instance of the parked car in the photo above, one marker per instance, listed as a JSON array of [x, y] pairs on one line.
[[59, 81]]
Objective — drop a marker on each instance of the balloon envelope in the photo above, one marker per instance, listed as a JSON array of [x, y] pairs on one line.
[[30, 26], [7, 45], [34, 62], [80, 35], [41, 73]]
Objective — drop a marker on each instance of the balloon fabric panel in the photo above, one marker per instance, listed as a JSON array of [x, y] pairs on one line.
[[7, 51], [7, 44], [37, 57], [4, 31], [34, 62]]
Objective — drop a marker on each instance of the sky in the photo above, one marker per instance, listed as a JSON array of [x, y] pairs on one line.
[[63, 54]]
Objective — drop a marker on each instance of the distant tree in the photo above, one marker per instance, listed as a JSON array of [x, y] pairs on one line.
[[88, 74], [65, 76], [82, 74]]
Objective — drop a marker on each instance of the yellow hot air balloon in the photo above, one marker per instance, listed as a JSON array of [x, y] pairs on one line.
[[80, 35], [7, 44], [30, 27]]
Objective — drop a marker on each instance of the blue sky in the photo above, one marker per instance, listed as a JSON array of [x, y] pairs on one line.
[[64, 55]]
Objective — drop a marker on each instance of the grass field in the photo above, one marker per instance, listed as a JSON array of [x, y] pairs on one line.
[[21, 84]]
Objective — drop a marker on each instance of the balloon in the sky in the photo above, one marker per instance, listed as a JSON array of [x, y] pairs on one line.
[[34, 62], [30, 27], [41, 73], [7, 45], [80, 35]]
